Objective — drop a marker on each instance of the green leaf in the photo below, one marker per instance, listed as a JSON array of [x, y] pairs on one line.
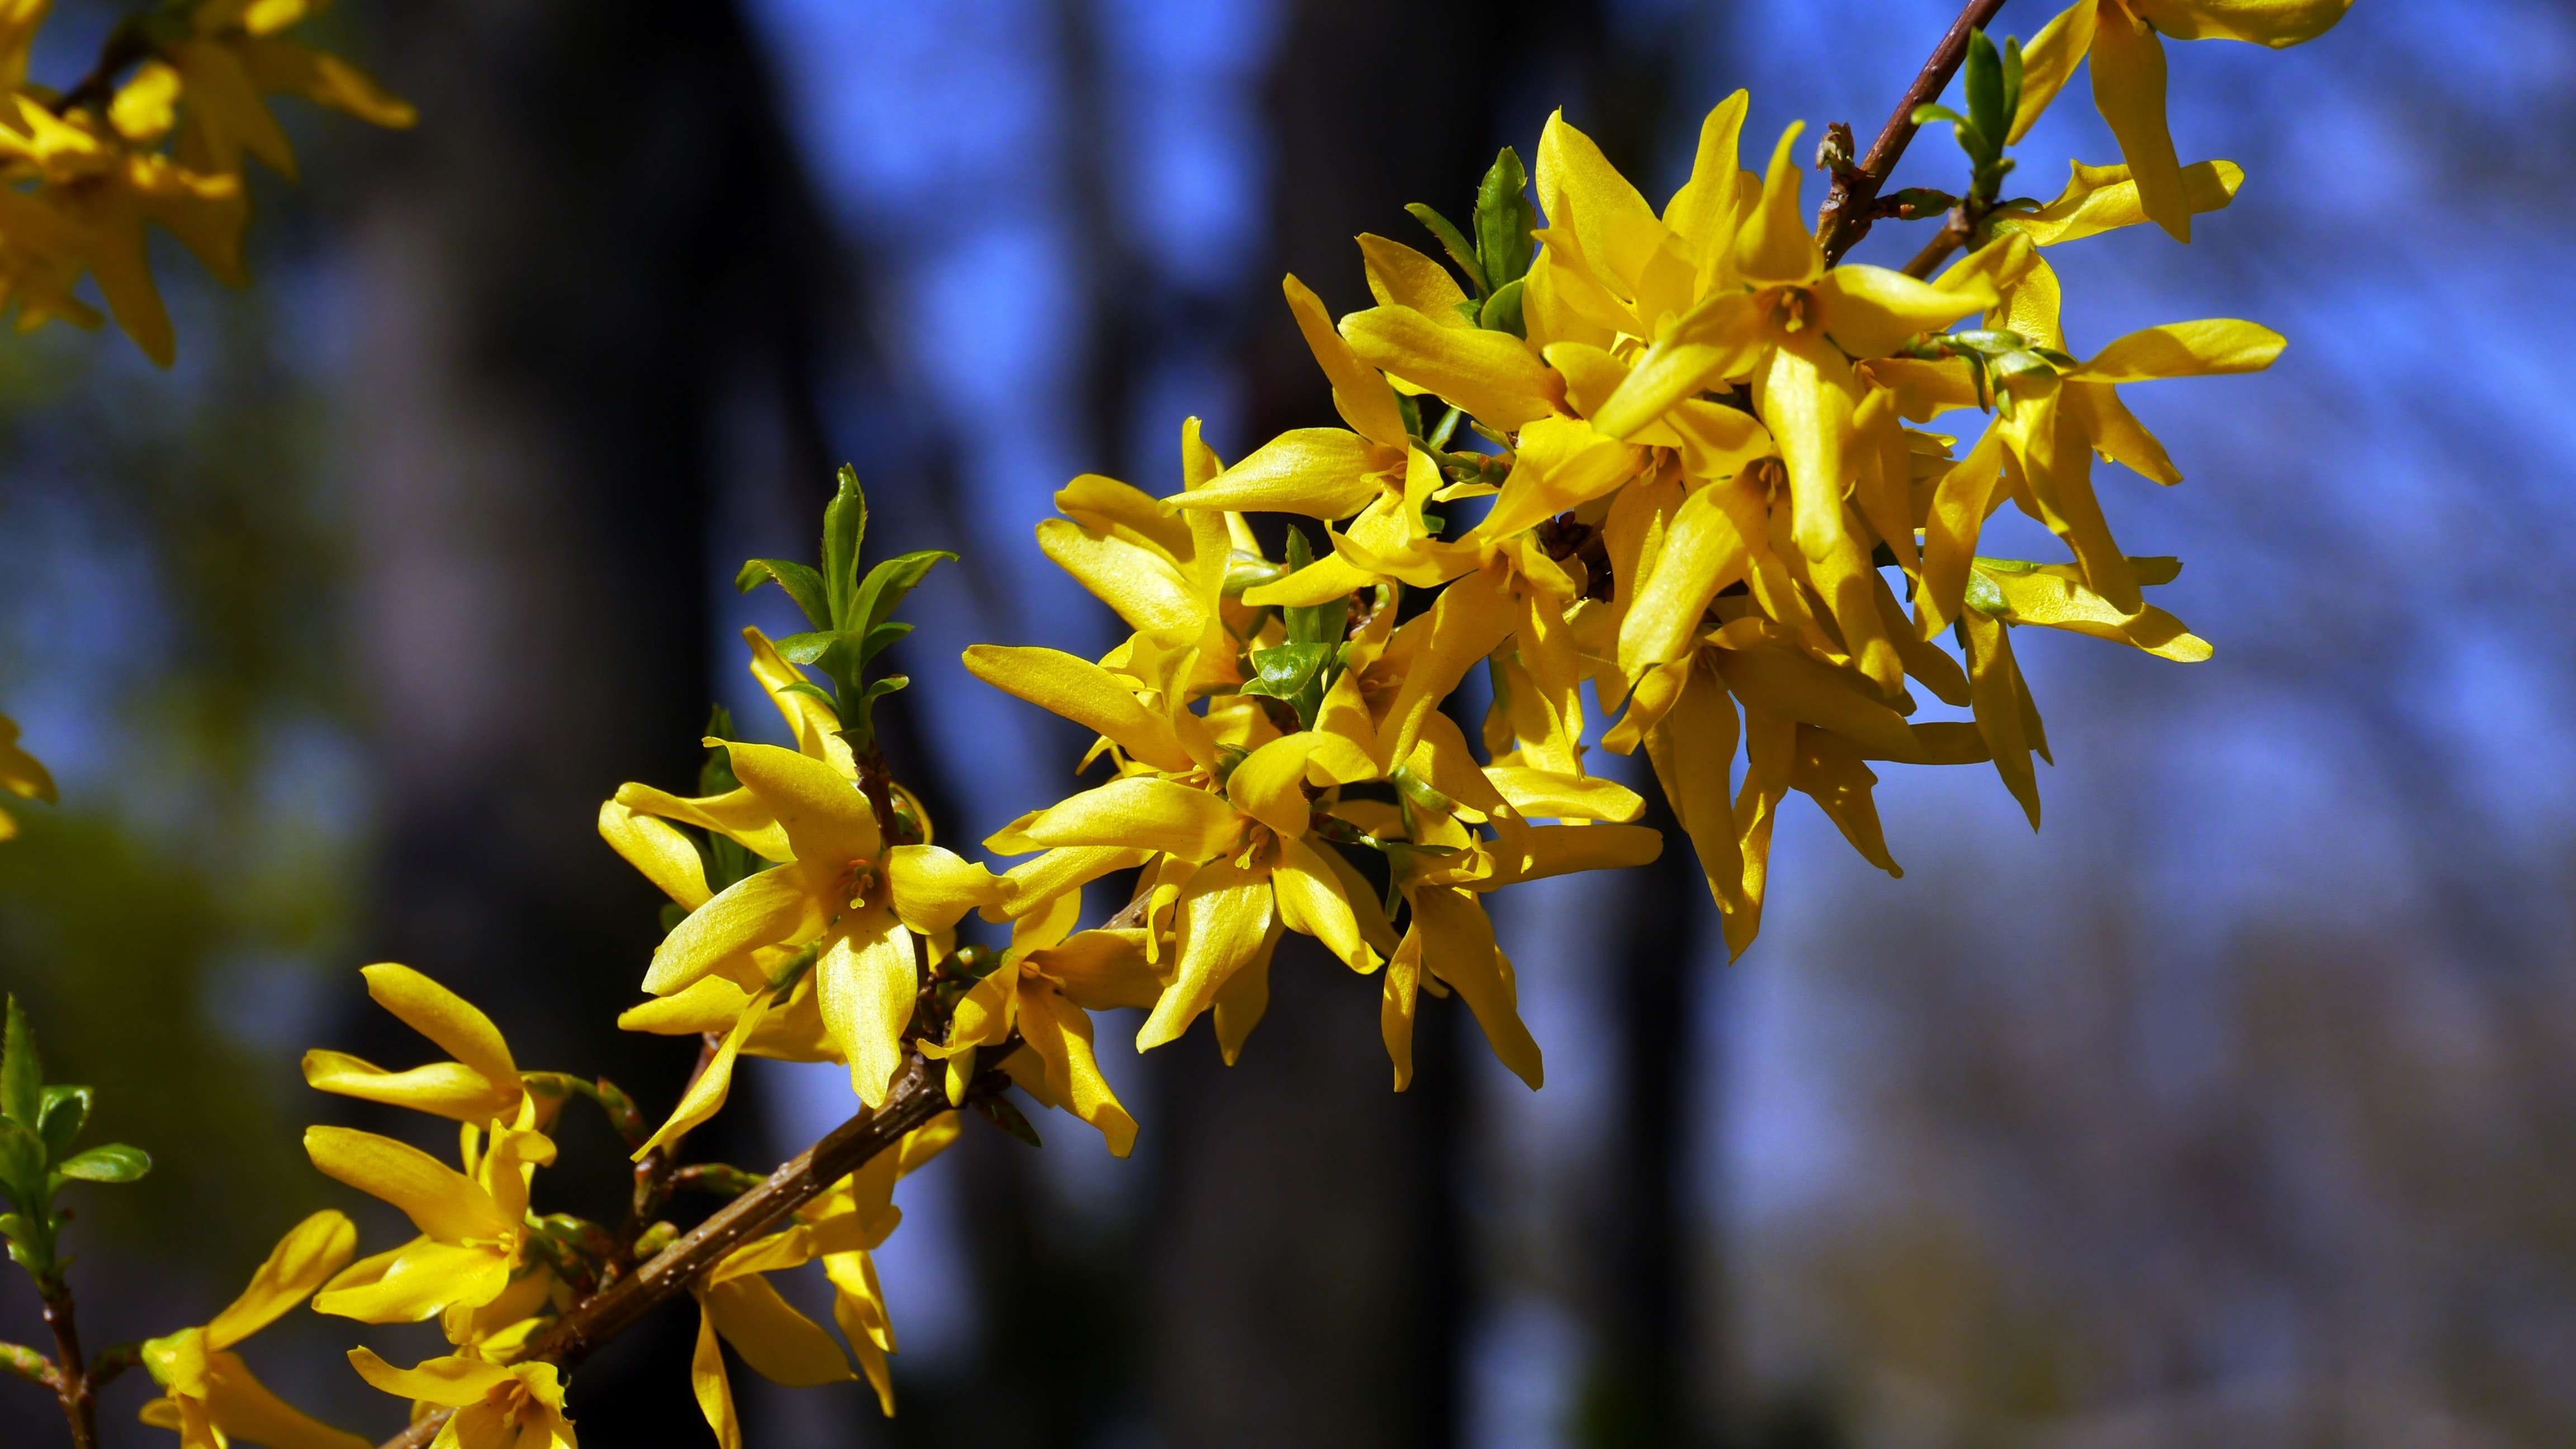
[[1000, 1112], [66, 1112], [22, 1169], [1502, 311], [22, 1072], [1504, 221], [114, 1162], [1454, 242], [879, 638], [845, 528], [886, 585], [1985, 90], [1287, 670], [808, 647], [1321, 624], [1927, 113], [801, 583], [811, 690]]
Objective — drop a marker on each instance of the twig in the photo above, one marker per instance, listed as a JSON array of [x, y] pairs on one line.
[[28, 1364], [71, 1384], [1849, 205], [920, 1094], [1954, 234]]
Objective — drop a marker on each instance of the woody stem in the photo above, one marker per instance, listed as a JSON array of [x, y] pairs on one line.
[[920, 1094], [1849, 205], [71, 1384]]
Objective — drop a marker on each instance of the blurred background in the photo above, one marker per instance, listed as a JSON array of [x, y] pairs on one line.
[[2238, 1107]]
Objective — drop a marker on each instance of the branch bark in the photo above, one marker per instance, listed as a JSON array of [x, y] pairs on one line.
[[920, 1094], [1850, 206]]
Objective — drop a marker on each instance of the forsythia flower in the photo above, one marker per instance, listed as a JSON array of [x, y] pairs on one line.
[[2122, 37], [480, 1088], [473, 1250], [21, 774], [88, 171], [207, 1393], [515, 1407]]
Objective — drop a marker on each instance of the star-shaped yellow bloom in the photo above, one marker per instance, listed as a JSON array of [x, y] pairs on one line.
[[474, 1226], [207, 1393], [494, 1407]]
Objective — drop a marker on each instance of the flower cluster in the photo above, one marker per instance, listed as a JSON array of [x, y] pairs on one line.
[[1680, 479], [167, 144]]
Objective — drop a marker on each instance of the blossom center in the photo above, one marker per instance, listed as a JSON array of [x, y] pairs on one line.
[[860, 879]]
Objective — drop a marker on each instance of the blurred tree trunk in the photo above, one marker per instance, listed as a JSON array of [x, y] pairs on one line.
[[596, 238]]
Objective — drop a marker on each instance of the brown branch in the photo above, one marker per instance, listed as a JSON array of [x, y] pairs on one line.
[[1850, 205], [71, 1384], [920, 1094]]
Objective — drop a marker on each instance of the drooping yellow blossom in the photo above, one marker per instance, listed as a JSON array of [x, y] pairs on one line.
[[480, 1087], [1044, 988], [842, 890], [207, 1393], [21, 774], [519, 1406], [851, 1221], [2123, 37], [782, 1345], [473, 1249]]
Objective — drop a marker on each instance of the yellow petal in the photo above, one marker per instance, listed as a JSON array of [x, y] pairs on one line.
[[1546, 794], [1244, 998], [934, 888], [1458, 948], [296, 1269], [1324, 473], [1399, 276], [1805, 397], [1061, 1035], [1061, 870], [1829, 770], [2129, 89], [814, 724], [2049, 61], [737, 814], [2000, 698], [243, 1408], [1491, 374], [1706, 202], [1775, 245], [1269, 784], [1464, 625], [766, 908], [444, 1017], [1693, 750], [1085, 693], [1564, 849], [708, 1382], [1784, 682], [1311, 902], [450, 1382], [444, 1089], [1143, 584], [1960, 503], [2213, 347], [1704, 550], [2054, 601], [1612, 224], [1359, 394], [865, 980], [779, 1343], [707, 1092], [1143, 813], [825, 816], [1872, 311], [441, 1201], [1713, 341], [417, 1281], [1101, 970], [2105, 198], [2276, 23], [662, 853], [1223, 920]]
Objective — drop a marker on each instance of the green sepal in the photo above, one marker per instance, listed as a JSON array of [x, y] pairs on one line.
[[1000, 1112], [1454, 242], [22, 1072], [1502, 311], [66, 1112], [1504, 221], [801, 583], [808, 647], [112, 1162], [845, 528], [1440, 435]]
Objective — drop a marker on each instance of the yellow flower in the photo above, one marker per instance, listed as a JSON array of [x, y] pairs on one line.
[[21, 774], [853, 1219], [481, 1087], [1047, 982], [207, 1392], [2122, 37], [781, 1344], [842, 891], [515, 1407], [233, 55], [474, 1224]]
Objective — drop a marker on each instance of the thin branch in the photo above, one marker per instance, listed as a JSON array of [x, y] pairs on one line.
[[1850, 205], [71, 1384], [920, 1094], [30, 1365]]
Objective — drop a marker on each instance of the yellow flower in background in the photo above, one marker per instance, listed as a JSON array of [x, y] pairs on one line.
[[2123, 39], [842, 891], [21, 774], [515, 1407], [233, 56], [473, 1224], [207, 1393], [480, 1088]]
